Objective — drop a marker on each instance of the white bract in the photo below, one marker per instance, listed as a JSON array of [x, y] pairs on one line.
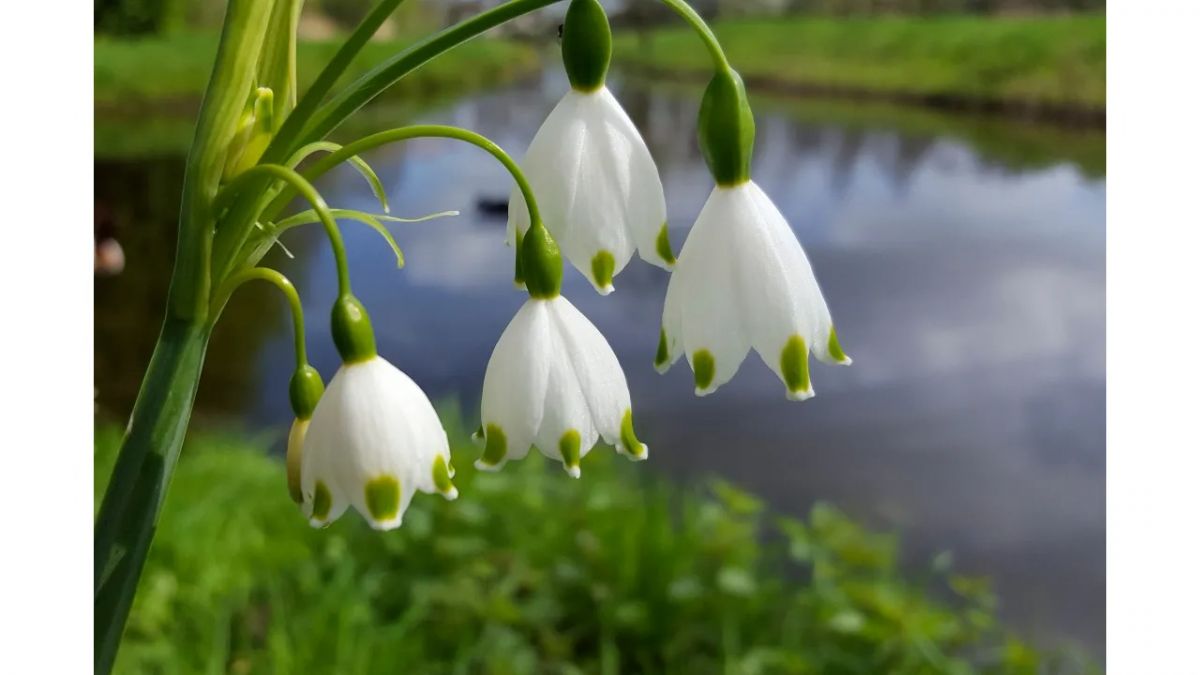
[[554, 382], [373, 441], [743, 281], [597, 187]]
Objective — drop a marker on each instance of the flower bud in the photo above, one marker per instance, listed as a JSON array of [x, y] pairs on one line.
[[726, 129], [352, 332], [254, 133], [586, 45], [305, 390], [541, 263]]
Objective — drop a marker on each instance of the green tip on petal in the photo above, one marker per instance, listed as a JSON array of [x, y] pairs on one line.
[[568, 447], [602, 271], [793, 363], [705, 368], [495, 449], [383, 498], [478, 435], [662, 246], [441, 478], [835, 349], [636, 449], [322, 502], [663, 355]]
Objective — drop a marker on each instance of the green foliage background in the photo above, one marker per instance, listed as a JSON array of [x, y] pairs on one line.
[[532, 572]]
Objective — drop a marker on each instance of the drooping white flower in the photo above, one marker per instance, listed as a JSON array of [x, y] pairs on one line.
[[554, 382], [597, 186], [373, 441], [743, 281]]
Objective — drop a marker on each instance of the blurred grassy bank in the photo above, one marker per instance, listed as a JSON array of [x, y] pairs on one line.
[[1026, 63], [170, 72], [148, 90], [530, 571]]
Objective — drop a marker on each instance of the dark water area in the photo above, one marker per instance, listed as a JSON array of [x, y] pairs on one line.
[[963, 261]]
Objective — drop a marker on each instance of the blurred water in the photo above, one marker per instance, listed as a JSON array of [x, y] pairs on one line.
[[965, 272]]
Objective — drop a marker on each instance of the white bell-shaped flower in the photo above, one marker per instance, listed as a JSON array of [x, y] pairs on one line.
[[743, 281], [374, 441], [597, 186], [554, 382]]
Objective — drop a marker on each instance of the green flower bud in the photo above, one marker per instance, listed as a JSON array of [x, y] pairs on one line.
[[541, 263], [305, 390], [726, 129], [254, 134], [586, 45], [352, 331]]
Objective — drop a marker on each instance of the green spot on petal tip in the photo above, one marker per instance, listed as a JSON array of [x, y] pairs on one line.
[[383, 497], [705, 368], [629, 440], [662, 245], [495, 448], [568, 447], [835, 349], [322, 502], [441, 476], [662, 355], [793, 363], [602, 271]]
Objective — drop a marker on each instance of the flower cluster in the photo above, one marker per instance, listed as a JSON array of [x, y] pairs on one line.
[[587, 188]]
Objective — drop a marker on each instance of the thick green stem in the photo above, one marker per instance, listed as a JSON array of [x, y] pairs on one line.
[[125, 524], [224, 100]]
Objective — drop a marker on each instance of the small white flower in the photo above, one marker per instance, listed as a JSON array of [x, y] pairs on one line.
[[743, 281], [554, 382], [597, 186], [373, 441]]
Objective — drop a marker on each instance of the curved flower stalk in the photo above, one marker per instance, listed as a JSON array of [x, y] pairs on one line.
[[553, 381], [597, 185]]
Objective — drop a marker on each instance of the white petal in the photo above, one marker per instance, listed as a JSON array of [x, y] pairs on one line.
[[596, 368], [566, 419], [515, 383], [714, 334], [645, 205], [596, 184]]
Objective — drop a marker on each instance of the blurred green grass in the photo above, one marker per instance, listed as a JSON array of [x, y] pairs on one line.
[[172, 70], [1056, 59], [530, 571]]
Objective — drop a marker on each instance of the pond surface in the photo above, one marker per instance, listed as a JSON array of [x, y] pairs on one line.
[[962, 259]]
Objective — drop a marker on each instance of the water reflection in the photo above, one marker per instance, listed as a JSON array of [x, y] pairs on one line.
[[964, 266]]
